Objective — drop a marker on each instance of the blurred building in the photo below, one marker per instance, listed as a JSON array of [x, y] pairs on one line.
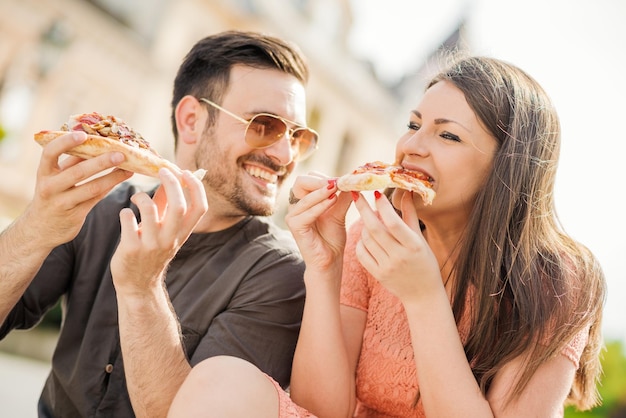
[[61, 57]]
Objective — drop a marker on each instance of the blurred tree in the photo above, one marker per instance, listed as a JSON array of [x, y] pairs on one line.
[[612, 387]]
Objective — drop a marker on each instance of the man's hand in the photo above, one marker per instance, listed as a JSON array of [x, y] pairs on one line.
[[64, 194], [66, 190], [146, 249]]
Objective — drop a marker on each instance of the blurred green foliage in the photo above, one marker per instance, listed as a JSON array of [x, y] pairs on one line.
[[3, 133], [612, 387]]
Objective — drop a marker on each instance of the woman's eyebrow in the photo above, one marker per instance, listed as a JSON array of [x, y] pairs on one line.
[[441, 121]]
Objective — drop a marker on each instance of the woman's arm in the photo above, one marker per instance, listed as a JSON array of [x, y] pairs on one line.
[[446, 383], [396, 254], [323, 376], [545, 394], [451, 388], [325, 359]]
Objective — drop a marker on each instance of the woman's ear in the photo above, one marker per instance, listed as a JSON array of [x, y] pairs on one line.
[[190, 119]]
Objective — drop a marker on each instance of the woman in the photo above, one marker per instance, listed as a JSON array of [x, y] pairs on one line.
[[477, 304]]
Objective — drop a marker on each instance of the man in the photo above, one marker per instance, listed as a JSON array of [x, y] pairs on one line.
[[152, 286]]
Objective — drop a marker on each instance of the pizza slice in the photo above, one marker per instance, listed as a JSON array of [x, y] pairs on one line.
[[109, 133], [378, 175]]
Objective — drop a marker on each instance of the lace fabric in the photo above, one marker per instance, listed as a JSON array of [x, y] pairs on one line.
[[386, 377]]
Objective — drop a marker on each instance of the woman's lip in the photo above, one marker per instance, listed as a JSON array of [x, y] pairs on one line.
[[418, 169]]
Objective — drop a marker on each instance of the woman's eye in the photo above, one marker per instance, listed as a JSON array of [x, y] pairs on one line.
[[412, 126], [452, 137]]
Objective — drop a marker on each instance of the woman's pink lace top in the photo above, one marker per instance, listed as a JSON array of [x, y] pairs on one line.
[[386, 381]]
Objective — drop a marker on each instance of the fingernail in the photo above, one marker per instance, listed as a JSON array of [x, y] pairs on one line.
[[169, 173], [117, 157], [355, 196], [332, 196], [79, 136], [377, 194], [331, 184]]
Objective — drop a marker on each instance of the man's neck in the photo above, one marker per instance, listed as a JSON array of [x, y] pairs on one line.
[[211, 222]]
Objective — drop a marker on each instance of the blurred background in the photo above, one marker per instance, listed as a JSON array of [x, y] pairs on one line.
[[369, 62]]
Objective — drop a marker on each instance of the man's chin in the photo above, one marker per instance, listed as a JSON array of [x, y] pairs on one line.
[[258, 200], [262, 211], [261, 207]]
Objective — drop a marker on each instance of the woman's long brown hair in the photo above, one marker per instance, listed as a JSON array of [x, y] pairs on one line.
[[533, 287]]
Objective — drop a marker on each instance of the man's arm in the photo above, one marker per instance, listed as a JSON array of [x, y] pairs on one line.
[[154, 359], [20, 258], [58, 210]]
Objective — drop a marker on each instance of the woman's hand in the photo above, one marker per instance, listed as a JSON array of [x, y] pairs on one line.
[[394, 250], [146, 249], [317, 220]]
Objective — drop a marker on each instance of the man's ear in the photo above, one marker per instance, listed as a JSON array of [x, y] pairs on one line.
[[190, 119]]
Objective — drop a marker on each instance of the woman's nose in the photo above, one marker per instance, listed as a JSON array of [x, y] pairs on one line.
[[416, 143]]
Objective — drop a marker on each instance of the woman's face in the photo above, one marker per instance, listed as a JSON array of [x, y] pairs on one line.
[[446, 141]]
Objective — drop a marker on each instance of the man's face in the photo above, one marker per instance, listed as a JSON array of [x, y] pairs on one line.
[[245, 180]]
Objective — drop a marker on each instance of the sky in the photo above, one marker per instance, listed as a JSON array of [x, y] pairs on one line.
[[577, 52]]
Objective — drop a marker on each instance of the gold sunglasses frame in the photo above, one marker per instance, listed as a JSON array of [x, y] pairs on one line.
[[287, 122]]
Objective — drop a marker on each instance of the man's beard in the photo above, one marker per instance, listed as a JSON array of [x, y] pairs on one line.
[[243, 203], [229, 184]]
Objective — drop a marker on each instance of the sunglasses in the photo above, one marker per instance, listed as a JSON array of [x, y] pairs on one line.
[[264, 130]]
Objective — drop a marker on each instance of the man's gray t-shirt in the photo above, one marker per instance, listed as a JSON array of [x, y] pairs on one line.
[[238, 292]]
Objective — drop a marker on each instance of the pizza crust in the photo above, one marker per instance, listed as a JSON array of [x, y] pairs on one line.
[[418, 187], [363, 182], [138, 160]]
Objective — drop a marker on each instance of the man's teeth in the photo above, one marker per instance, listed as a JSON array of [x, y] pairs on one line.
[[262, 174]]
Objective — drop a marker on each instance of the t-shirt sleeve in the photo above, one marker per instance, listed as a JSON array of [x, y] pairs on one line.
[[355, 291], [262, 319], [83, 257]]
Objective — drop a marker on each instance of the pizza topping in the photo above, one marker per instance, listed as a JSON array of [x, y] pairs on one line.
[[379, 175], [112, 134], [109, 127], [402, 174], [395, 171]]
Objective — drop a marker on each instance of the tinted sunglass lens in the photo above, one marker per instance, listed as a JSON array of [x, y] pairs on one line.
[[302, 138], [264, 130]]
